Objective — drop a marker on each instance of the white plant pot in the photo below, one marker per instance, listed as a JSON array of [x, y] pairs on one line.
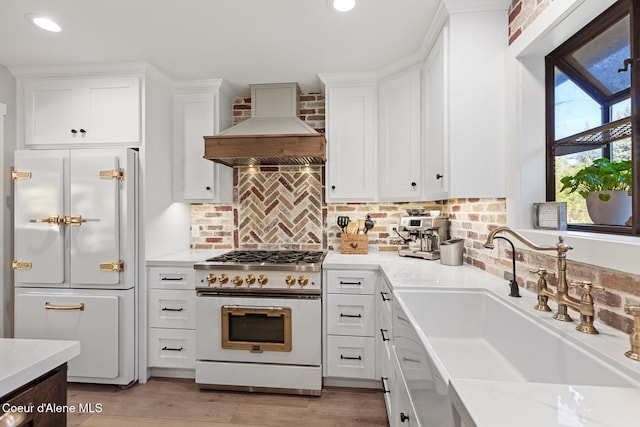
[[615, 211]]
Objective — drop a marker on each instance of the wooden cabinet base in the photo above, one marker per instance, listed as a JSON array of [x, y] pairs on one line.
[[40, 403]]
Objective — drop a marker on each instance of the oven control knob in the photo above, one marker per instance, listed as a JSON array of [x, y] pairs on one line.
[[290, 280], [223, 279], [303, 281], [211, 279], [251, 279], [262, 280], [237, 281]]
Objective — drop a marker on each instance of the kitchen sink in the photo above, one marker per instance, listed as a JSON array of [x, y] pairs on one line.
[[474, 334]]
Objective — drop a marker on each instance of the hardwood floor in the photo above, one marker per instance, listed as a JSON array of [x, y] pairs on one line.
[[170, 402]]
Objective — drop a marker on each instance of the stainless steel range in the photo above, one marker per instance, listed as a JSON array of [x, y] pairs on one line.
[[258, 321]]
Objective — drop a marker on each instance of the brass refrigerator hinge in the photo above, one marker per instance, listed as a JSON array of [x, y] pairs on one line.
[[21, 265], [20, 175], [112, 266], [113, 173]]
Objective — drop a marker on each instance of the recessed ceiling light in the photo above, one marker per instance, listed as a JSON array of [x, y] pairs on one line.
[[43, 22], [341, 5]]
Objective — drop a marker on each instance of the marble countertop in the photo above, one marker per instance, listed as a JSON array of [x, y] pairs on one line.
[[23, 360], [494, 403], [184, 258]]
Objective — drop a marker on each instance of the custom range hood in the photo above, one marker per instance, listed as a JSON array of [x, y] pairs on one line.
[[273, 135]]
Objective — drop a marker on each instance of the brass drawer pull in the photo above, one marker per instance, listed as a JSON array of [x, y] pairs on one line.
[[112, 266], [49, 306]]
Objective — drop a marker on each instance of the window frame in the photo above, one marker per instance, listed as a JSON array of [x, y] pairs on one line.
[[555, 59]]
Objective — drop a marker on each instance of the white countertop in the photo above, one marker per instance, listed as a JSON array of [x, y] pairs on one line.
[[23, 360], [184, 258], [493, 403]]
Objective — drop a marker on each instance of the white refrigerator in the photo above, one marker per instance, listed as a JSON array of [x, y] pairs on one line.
[[75, 256]]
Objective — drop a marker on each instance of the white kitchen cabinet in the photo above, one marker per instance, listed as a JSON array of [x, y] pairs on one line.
[[351, 140], [399, 138], [200, 108], [350, 321], [384, 344], [464, 107], [172, 321], [73, 111]]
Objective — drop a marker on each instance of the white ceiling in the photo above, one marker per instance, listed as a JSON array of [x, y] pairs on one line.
[[241, 41]]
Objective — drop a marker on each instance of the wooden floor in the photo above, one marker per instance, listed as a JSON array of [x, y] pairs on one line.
[[171, 402]]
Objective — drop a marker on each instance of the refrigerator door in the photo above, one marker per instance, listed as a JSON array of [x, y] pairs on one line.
[[39, 208], [94, 228]]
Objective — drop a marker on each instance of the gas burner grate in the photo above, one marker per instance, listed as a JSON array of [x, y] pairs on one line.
[[273, 257]]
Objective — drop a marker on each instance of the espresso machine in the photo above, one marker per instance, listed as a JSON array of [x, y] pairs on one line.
[[424, 234]]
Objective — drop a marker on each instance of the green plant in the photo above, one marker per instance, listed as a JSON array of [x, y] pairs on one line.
[[601, 175]]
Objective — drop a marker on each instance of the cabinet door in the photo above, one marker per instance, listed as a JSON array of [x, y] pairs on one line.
[[39, 197], [399, 138], [50, 109], [351, 144], [110, 110], [74, 111], [436, 179], [195, 177]]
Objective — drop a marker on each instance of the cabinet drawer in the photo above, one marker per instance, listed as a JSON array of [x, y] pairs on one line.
[[172, 348], [172, 278], [351, 357], [350, 315], [172, 309], [351, 282]]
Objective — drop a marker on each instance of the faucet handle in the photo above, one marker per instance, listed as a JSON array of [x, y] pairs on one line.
[[542, 272], [587, 309], [634, 353], [586, 286]]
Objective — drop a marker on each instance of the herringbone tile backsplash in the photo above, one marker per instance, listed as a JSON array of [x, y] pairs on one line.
[[280, 206]]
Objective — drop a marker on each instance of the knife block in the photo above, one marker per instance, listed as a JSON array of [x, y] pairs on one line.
[[354, 244]]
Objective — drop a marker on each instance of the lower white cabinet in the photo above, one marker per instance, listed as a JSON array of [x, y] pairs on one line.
[[172, 321], [350, 357], [350, 325]]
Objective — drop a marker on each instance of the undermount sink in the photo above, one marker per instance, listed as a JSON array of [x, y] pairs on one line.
[[473, 334]]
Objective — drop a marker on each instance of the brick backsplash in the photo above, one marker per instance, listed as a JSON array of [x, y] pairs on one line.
[[283, 208]]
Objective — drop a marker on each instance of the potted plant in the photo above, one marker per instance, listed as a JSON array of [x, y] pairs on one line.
[[606, 186]]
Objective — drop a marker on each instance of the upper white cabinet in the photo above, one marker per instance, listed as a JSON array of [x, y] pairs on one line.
[[399, 138], [351, 140], [464, 107], [201, 108], [72, 111]]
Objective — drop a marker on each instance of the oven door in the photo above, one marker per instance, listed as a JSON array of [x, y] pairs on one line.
[[258, 329]]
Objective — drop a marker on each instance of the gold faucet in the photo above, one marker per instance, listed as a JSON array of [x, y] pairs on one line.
[[561, 296]]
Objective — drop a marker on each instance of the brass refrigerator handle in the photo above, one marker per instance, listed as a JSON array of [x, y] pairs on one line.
[[49, 306], [51, 220]]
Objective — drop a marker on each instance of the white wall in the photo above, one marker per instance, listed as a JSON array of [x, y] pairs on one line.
[[7, 145]]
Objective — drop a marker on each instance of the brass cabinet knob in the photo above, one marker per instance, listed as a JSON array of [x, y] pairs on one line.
[[262, 280], [290, 280], [303, 281], [211, 279], [223, 279], [250, 279], [237, 281]]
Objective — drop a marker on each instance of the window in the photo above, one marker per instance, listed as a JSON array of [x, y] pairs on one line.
[[591, 89]]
